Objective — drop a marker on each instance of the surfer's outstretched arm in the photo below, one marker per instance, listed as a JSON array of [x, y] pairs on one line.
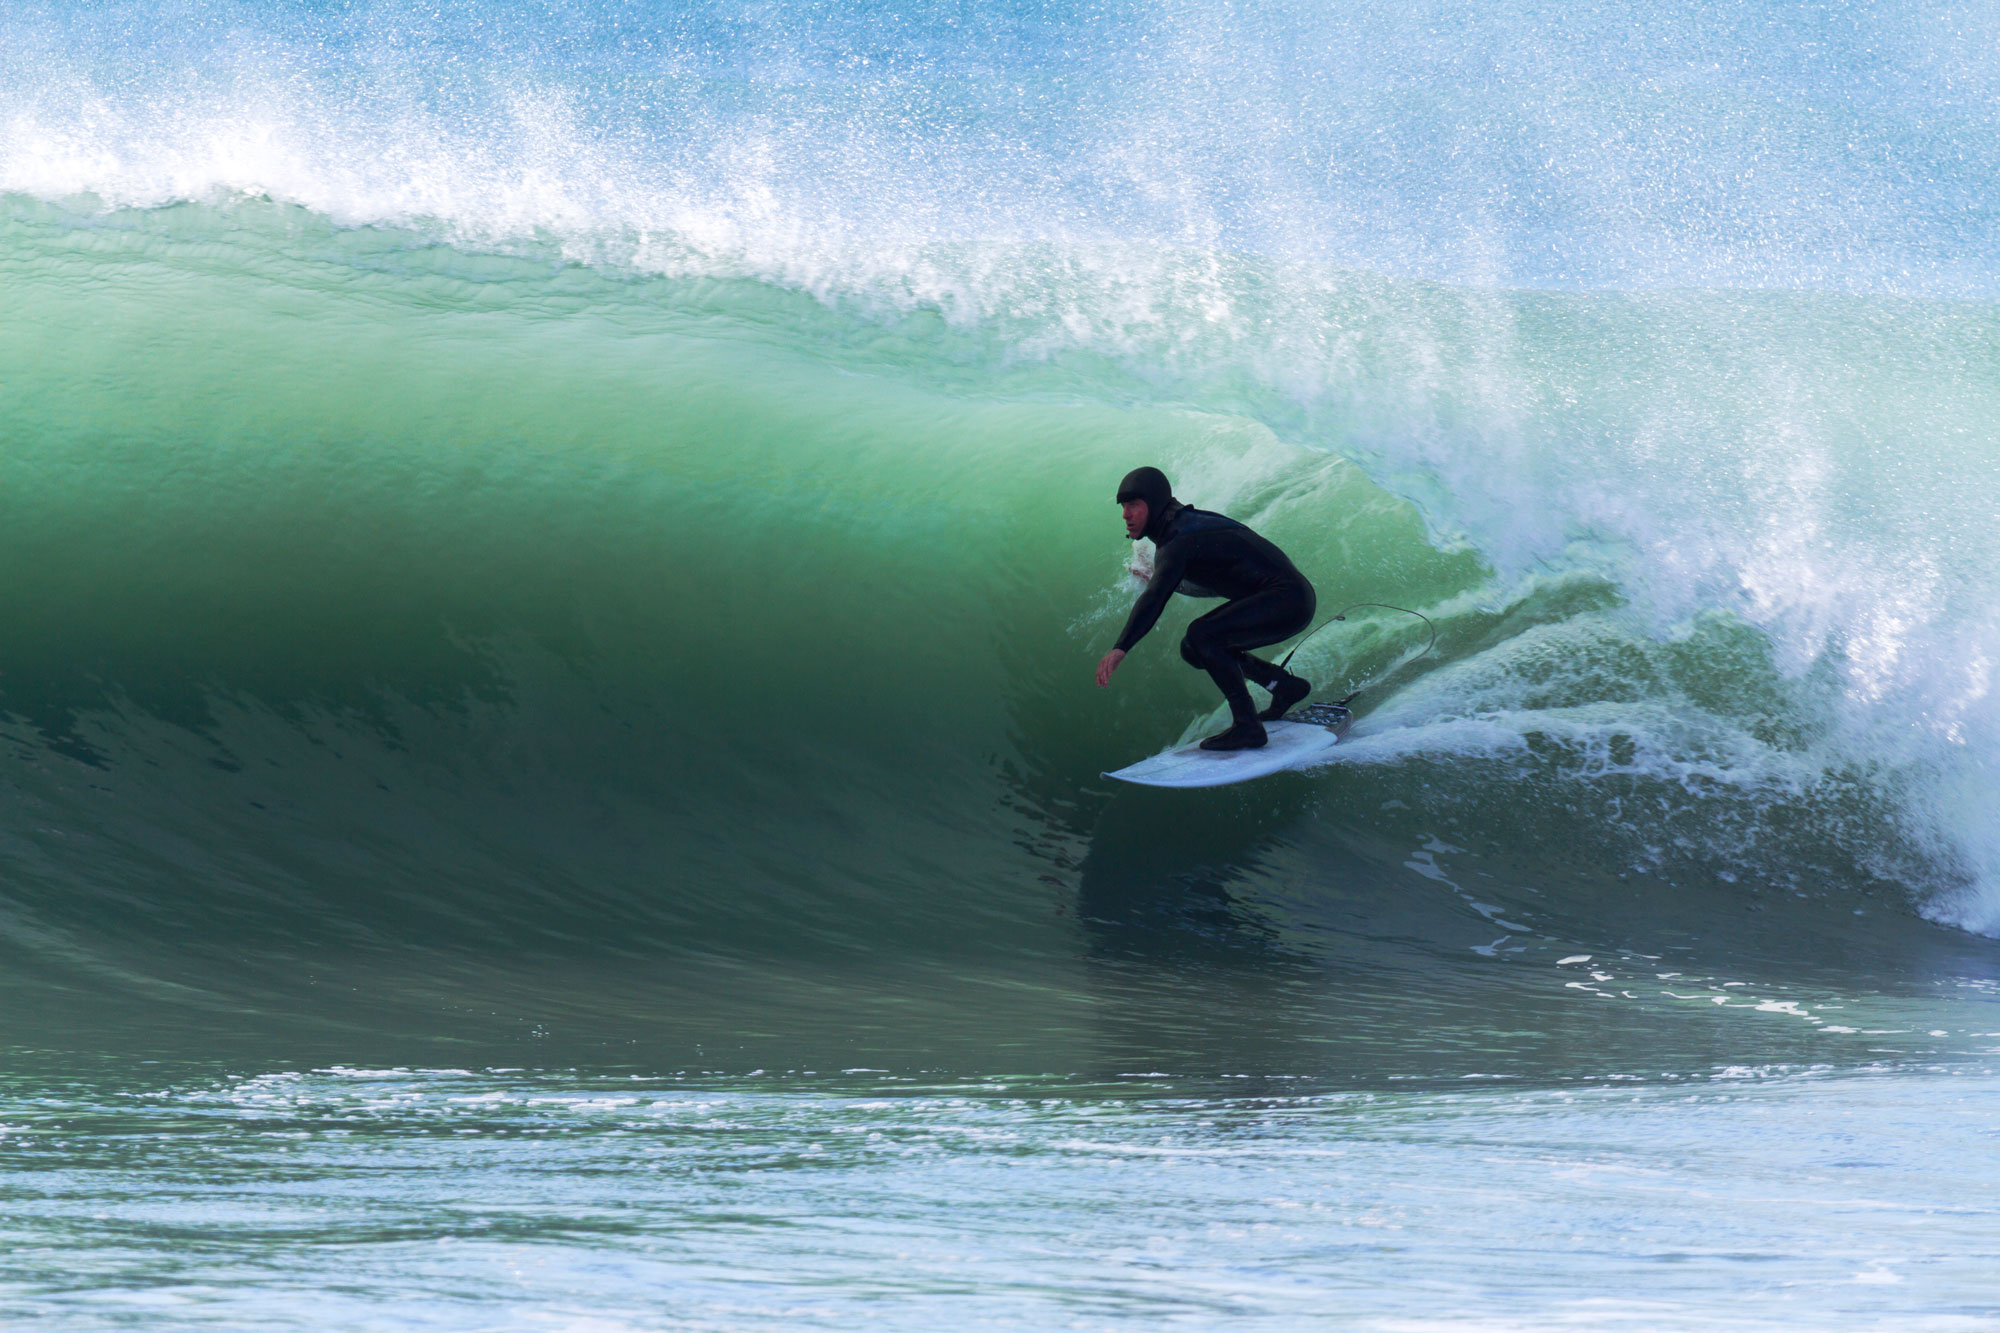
[[1168, 566]]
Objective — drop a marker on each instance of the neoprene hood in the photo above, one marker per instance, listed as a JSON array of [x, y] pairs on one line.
[[1151, 485]]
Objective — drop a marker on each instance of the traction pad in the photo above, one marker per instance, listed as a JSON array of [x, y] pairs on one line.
[[1331, 716]]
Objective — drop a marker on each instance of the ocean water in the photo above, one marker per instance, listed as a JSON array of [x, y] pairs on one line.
[[551, 557]]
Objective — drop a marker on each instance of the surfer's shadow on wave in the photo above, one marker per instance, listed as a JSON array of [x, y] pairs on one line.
[[1163, 881]]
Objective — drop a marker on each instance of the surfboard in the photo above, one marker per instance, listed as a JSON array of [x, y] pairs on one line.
[[1292, 743]]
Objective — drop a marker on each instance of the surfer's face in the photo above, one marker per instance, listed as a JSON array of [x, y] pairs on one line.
[[1136, 514]]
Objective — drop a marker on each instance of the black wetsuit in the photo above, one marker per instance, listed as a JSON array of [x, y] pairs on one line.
[[1269, 600]]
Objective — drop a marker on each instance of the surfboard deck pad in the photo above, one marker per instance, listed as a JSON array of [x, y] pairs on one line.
[[1304, 733]]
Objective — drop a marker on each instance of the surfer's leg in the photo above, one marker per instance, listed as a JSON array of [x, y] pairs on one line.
[[1286, 689], [1218, 643], [1259, 672], [1231, 630], [1206, 646]]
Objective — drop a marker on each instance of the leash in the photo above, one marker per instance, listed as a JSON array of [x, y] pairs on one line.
[[1342, 615]]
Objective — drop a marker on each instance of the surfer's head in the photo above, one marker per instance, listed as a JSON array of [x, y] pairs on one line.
[[1146, 495]]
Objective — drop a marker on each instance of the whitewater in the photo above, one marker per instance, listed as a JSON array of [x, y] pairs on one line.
[[551, 557]]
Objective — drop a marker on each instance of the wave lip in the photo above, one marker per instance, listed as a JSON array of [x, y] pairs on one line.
[[1497, 148]]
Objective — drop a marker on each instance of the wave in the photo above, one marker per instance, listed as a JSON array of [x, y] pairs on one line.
[[368, 590], [564, 483]]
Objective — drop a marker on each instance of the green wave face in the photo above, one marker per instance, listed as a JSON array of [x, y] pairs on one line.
[[364, 594]]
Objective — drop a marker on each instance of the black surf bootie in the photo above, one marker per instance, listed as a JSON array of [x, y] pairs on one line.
[[1247, 734], [1284, 695]]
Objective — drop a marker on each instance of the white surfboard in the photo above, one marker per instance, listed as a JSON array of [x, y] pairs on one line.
[[1291, 744]]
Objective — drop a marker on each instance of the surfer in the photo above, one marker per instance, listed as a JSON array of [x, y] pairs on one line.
[[1206, 555]]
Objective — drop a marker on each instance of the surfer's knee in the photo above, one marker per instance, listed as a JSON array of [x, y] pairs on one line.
[[1198, 649]]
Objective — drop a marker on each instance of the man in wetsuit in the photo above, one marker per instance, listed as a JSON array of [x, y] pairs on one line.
[[1206, 555]]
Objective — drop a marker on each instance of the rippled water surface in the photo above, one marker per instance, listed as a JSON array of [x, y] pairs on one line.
[[460, 1199]]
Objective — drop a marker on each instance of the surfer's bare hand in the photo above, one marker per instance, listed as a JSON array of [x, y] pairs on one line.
[[1109, 665]]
